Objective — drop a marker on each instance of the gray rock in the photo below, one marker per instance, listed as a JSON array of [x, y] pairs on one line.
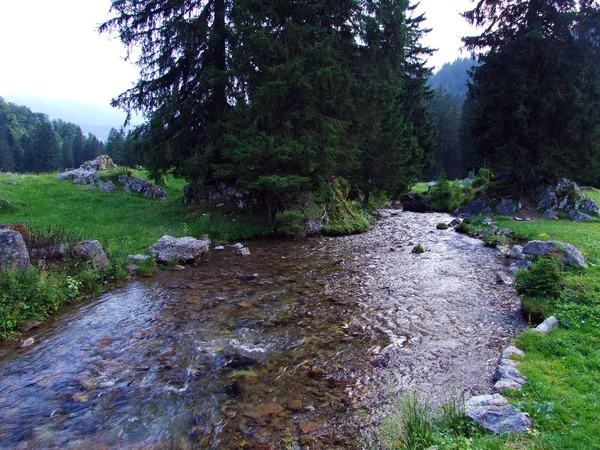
[[243, 251], [27, 342], [138, 259], [75, 174], [569, 253], [508, 207], [92, 251], [511, 351], [507, 375], [141, 186], [504, 278], [501, 419], [313, 227], [550, 214], [517, 252], [109, 187], [187, 249], [101, 163], [551, 323], [475, 208], [13, 252], [547, 198], [508, 383], [238, 246], [485, 400], [522, 264], [29, 326], [12, 182], [590, 205], [578, 216], [220, 247]]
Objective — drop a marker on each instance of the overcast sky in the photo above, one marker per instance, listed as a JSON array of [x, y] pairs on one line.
[[51, 48]]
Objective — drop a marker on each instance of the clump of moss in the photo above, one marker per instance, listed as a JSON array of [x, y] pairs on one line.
[[442, 226], [418, 249]]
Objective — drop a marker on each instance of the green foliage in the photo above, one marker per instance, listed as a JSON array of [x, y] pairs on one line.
[[442, 226], [148, 267], [483, 178], [290, 223], [543, 279], [345, 217], [463, 228], [445, 196], [277, 97], [533, 108]]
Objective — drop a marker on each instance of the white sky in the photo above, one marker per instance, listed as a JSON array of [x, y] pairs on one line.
[[51, 48]]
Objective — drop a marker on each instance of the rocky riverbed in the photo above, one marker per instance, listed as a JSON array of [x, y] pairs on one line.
[[304, 344]]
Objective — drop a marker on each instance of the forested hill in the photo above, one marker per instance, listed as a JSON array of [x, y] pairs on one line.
[[31, 142], [452, 78]]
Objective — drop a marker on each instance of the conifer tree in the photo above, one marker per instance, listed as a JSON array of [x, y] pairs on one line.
[[533, 104]]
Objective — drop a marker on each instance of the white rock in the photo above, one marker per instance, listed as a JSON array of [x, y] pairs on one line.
[[551, 323]]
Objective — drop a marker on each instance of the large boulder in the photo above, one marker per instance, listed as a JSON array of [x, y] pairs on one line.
[[578, 216], [92, 251], [13, 252], [414, 202], [141, 186], [550, 214], [547, 198], [508, 207], [78, 174], [590, 205], [186, 249], [475, 208], [500, 419], [101, 163], [568, 253]]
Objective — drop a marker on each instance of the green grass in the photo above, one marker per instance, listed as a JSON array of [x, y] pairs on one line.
[[420, 188], [123, 222], [563, 390], [415, 426]]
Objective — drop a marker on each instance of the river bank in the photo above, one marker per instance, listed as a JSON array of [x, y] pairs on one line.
[[307, 354]]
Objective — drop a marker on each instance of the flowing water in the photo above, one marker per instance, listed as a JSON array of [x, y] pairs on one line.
[[300, 345]]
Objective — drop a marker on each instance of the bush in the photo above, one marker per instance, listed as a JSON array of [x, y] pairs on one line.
[[484, 177], [445, 196], [543, 279], [29, 294], [290, 223], [442, 226]]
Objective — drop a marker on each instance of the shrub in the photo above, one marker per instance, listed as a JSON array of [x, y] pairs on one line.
[[484, 176], [29, 294], [290, 223], [543, 279], [442, 226], [445, 196], [463, 228], [148, 267]]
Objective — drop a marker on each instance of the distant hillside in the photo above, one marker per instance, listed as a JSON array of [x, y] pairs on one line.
[[95, 119], [453, 77]]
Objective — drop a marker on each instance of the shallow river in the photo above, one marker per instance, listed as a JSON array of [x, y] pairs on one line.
[[309, 353]]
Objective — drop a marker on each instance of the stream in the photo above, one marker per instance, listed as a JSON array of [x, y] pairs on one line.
[[304, 344]]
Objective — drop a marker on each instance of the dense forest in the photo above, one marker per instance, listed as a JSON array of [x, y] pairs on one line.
[[453, 154], [276, 97], [30, 142]]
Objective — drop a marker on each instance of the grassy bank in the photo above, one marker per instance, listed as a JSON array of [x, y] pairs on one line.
[[563, 391], [125, 223], [562, 394]]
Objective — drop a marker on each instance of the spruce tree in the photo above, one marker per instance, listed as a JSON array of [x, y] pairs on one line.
[[184, 80], [533, 104]]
